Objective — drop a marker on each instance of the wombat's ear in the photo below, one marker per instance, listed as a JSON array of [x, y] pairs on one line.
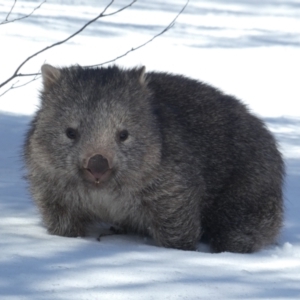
[[50, 75], [142, 75]]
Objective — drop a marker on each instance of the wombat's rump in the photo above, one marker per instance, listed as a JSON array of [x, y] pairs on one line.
[[154, 153]]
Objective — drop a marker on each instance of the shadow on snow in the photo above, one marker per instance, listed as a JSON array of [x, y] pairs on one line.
[[142, 267]]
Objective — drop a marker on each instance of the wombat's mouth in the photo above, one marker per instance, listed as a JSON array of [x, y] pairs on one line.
[[96, 178]]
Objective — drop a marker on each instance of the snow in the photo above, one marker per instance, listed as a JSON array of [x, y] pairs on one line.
[[246, 48]]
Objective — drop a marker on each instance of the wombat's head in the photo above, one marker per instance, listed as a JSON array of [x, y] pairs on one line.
[[96, 127]]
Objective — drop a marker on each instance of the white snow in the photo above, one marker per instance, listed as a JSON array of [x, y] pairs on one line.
[[246, 48]]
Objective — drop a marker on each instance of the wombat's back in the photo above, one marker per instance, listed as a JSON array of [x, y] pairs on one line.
[[234, 152]]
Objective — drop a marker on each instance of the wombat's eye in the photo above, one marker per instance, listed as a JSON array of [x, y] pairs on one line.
[[71, 133], [123, 135]]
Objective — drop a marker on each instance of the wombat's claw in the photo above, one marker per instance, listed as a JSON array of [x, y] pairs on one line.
[[117, 230], [110, 231]]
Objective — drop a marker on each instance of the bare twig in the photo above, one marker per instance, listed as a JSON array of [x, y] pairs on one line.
[[11, 9], [147, 42], [21, 18], [15, 86], [101, 15]]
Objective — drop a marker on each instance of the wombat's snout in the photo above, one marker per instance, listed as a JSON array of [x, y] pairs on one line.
[[97, 168]]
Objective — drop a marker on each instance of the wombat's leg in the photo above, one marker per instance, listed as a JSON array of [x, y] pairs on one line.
[[63, 220], [176, 220], [243, 222]]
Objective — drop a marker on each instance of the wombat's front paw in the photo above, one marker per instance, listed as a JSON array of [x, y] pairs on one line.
[[68, 232], [110, 231], [118, 230]]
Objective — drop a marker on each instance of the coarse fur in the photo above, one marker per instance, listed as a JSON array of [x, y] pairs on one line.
[[184, 160]]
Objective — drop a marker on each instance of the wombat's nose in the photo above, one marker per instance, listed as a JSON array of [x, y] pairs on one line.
[[97, 165]]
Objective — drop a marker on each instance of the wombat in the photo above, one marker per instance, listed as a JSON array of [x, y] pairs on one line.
[[153, 153]]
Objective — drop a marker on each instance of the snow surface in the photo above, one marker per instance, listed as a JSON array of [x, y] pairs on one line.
[[248, 48]]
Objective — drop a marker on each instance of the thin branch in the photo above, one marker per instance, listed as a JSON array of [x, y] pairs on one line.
[[21, 18], [147, 42], [6, 19], [11, 88], [119, 10], [14, 86], [102, 14]]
